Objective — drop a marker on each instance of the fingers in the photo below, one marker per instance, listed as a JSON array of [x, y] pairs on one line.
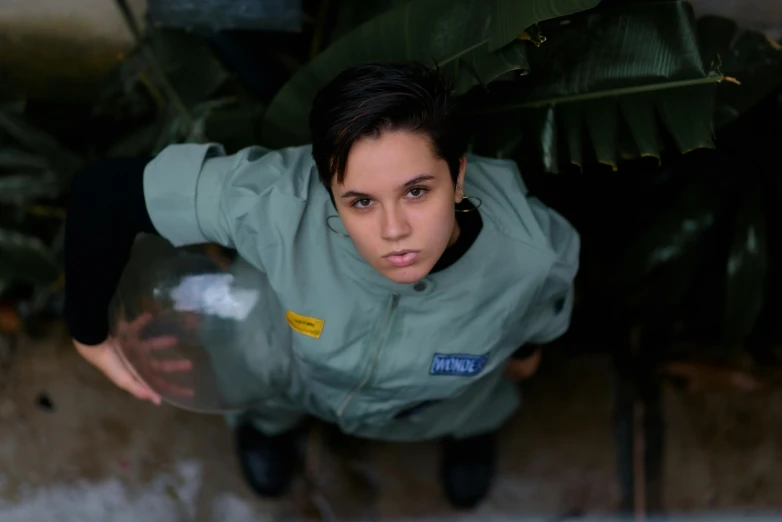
[[140, 322], [171, 388], [159, 343], [171, 366], [145, 347], [522, 369], [137, 389], [106, 358], [125, 377]]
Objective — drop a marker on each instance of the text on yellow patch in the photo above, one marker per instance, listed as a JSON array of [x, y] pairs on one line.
[[305, 325]]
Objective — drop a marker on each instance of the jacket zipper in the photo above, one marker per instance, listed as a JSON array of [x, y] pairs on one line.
[[375, 355]]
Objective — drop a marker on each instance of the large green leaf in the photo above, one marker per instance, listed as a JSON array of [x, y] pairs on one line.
[[746, 270], [25, 258], [36, 141], [454, 34], [506, 15], [224, 120], [480, 68], [353, 13], [19, 189], [625, 67], [15, 159], [171, 68], [188, 64]]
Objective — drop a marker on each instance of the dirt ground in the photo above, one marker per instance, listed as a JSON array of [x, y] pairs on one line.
[[72, 447]]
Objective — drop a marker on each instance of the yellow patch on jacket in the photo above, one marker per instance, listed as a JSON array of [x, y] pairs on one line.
[[305, 325]]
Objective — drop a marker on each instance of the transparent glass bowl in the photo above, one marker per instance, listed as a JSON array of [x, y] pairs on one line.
[[206, 334]]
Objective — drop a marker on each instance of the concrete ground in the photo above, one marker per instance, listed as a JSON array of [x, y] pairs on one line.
[[74, 448]]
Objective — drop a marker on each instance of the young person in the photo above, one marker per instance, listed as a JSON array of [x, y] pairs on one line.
[[424, 270]]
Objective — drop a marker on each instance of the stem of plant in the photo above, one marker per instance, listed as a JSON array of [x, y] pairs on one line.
[[711, 78]]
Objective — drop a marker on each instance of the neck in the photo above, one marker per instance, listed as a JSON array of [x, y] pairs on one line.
[[454, 233]]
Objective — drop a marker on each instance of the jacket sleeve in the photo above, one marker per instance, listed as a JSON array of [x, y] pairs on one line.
[[554, 304], [198, 194]]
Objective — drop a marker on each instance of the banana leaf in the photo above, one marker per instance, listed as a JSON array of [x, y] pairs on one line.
[[353, 13], [140, 141], [188, 63], [20, 189], [223, 120], [749, 58], [634, 67], [746, 270], [15, 159], [453, 34], [235, 127], [170, 68], [25, 258], [35, 141]]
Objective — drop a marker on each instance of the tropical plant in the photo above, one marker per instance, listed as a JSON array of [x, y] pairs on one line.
[[622, 81], [34, 169], [473, 42], [171, 89], [558, 85]]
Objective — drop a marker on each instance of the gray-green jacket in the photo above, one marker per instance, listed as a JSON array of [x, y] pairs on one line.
[[366, 348]]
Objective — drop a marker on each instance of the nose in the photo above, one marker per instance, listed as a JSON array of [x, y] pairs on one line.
[[395, 225]]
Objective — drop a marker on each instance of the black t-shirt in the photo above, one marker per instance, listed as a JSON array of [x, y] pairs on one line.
[[470, 225]]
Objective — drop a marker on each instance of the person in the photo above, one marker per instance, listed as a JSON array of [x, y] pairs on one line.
[[412, 272]]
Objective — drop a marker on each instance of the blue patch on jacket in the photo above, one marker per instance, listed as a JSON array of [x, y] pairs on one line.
[[459, 365]]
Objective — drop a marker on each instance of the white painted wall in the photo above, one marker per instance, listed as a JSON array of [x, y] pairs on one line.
[[80, 20], [61, 46]]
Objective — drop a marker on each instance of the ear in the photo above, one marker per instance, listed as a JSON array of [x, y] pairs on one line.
[[459, 194]]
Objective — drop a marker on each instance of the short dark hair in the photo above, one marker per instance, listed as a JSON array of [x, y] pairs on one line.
[[369, 99]]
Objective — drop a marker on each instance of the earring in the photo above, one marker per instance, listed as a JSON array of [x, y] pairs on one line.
[[475, 198], [328, 225], [475, 207]]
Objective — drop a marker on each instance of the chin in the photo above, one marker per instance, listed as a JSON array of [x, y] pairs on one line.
[[407, 275]]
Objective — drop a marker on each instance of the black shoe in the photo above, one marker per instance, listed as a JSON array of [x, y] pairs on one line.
[[467, 469], [268, 463]]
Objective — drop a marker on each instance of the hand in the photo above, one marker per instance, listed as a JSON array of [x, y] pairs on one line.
[[143, 356], [106, 357], [522, 369]]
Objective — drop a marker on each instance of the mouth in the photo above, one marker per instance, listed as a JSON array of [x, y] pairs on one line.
[[402, 258]]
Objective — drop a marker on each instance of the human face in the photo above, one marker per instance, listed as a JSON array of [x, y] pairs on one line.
[[397, 204]]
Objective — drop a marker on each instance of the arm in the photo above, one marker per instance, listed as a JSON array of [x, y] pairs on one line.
[[554, 304], [106, 210]]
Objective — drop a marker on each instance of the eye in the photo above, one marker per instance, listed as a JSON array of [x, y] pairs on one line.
[[362, 203], [417, 192]]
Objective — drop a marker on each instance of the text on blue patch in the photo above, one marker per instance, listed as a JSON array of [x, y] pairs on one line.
[[459, 365]]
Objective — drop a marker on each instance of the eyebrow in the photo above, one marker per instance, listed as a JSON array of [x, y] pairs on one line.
[[414, 181]]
